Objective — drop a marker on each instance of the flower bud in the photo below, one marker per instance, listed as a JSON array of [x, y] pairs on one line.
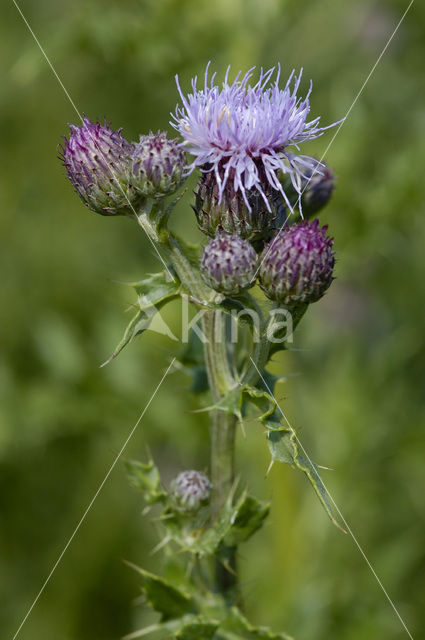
[[191, 489], [256, 222], [228, 264], [297, 265], [97, 162], [157, 165], [316, 189]]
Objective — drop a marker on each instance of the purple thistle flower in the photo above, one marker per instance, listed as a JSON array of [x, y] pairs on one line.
[[297, 265], [228, 264], [97, 160], [242, 132]]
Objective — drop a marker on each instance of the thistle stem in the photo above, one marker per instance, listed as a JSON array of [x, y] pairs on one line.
[[221, 380], [222, 439]]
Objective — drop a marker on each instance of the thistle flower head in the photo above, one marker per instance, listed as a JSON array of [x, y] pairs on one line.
[[242, 133], [157, 165], [191, 489], [228, 264], [97, 160], [297, 265]]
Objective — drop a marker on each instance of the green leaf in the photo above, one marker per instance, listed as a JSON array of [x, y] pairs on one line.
[[145, 477], [283, 443], [197, 630], [188, 627], [164, 597], [153, 293], [192, 361], [262, 400], [157, 288], [138, 324], [283, 446], [236, 626], [248, 516]]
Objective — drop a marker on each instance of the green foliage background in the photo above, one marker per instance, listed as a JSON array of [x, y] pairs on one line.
[[358, 401]]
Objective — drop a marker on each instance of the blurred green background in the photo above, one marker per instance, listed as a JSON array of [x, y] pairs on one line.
[[358, 399]]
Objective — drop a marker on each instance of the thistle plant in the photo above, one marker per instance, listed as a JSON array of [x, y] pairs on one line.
[[253, 192]]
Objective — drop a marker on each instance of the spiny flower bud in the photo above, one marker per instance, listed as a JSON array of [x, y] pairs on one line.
[[297, 265], [97, 162], [230, 213], [228, 264], [191, 489], [157, 165], [316, 188]]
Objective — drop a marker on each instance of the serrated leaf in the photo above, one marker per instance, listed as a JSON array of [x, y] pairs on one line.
[[248, 517], [155, 289], [283, 443], [137, 325], [188, 627], [262, 400], [236, 626], [164, 597], [145, 477], [197, 630], [283, 446], [153, 293], [231, 402]]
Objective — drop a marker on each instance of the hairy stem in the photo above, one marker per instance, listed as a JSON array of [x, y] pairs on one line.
[[222, 438], [221, 380]]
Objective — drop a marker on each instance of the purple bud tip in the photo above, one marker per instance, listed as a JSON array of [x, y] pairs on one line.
[[297, 265], [97, 160], [228, 264], [157, 165], [191, 489]]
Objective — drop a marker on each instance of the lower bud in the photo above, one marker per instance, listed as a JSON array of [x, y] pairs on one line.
[[191, 490], [229, 264], [297, 265]]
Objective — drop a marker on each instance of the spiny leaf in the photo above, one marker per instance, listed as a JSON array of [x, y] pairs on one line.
[[164, 597], [157, 288], [283, 446], [197, 630], [138, 324], [248, 517], [236, 626], [153, 293], [145, 477]]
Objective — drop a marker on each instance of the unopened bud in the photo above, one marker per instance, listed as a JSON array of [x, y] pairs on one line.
[[228, 264], [191, 489], [97, 162], [297, 265], [157, 165]]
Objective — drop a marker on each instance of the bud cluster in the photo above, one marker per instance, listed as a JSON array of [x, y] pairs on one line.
[[113, 176], [295, 267]]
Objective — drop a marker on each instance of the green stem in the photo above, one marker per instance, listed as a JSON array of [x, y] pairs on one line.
[[222, 438], [223, 425]]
